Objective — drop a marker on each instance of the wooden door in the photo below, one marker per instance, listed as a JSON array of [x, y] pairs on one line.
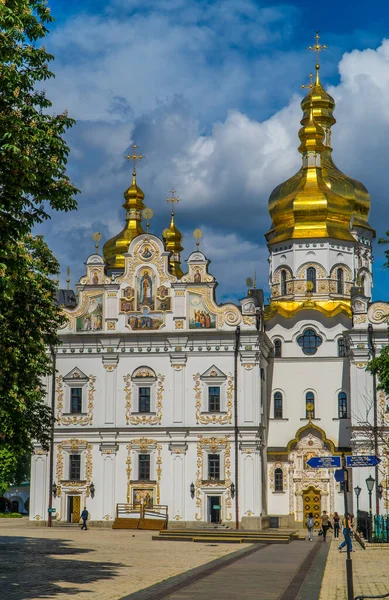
[[76, 509], [312, 504]]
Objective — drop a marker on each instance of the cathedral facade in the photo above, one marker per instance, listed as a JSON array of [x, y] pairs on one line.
[[168, 402]]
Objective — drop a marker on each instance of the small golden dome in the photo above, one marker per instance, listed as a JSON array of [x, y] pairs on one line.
[[172, 238], [115, 248]]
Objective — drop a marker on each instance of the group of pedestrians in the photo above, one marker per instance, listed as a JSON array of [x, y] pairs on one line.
[[336, 524]]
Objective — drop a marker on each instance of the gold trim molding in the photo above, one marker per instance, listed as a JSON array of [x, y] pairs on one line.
[[144, 419]]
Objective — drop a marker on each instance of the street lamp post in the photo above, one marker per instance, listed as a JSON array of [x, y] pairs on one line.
[[370, 481], [357, 491]]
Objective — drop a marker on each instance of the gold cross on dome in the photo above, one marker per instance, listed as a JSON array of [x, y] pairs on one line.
[[173, 199], [310, 84], [317, 48], [134, 157]]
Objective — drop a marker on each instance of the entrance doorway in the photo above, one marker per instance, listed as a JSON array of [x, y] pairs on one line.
[[312, 504], [214, 509], [74, 509]]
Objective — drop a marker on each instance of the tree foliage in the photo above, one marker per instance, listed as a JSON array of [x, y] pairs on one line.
[[380, 367], [33, 181]]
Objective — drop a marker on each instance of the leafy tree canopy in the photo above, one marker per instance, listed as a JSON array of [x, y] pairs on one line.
[[380, 366], [33, 181]]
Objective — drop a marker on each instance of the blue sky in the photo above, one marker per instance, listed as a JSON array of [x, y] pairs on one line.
[[210, 91]]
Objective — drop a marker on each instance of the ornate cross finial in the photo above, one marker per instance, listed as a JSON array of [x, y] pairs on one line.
[[310, 84], [173, 199], [134, 157], [317, 48]]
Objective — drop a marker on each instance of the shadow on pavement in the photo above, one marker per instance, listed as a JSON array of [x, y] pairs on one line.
[[33, 568]]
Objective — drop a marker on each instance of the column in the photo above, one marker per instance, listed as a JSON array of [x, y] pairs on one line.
[[108, 454], [178, 361], [110, 391]]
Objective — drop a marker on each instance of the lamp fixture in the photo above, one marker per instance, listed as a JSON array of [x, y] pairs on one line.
[[54, 489], [192, 490], [92, 490], [232, 488], [357, 491], [370, 481]]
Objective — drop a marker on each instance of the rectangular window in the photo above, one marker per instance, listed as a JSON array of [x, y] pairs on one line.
[[75, 400], [144, 467], [214, 399], [342, 405], [214, 466], [278, 405], [144, 399], [75, 467]]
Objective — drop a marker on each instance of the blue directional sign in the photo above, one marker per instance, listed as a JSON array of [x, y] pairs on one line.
[[362, 461], [339, 475], [324, 462]]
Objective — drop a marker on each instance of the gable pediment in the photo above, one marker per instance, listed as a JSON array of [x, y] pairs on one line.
[[213, 373], [76, 375]]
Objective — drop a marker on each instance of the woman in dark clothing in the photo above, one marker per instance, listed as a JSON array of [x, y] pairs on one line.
[[336, 525]]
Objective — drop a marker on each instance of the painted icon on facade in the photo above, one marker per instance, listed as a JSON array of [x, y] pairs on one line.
[[143, 497], [146, 289], [92, 320], [145, 321], [199, 315]]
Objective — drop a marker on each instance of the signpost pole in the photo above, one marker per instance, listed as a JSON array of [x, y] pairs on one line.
[[349, 564]]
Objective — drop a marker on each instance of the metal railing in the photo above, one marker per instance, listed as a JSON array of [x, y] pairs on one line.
[[154, 511]]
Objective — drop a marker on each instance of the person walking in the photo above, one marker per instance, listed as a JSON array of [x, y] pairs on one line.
[[84, 517], [336, 520], [310, 523], [347, 535], [325, 524]]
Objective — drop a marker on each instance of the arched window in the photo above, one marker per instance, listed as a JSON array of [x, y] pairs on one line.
[[309, 402], [278, 405], [277, 348], [309, 342], [278, 480], [340, 281], [342, 405], [362, 285], [283, 282], [341, 348], [311, 276]]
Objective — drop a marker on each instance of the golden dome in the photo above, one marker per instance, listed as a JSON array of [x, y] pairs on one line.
[[115, 248], [320, 105], [172, 238], [304, 206]]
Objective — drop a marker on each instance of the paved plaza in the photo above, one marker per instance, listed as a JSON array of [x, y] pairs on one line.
[[370, 572], [101, 564]]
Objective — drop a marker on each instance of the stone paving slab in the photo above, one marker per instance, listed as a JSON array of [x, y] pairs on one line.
[[263, 575], [98, 564], [370, 572]]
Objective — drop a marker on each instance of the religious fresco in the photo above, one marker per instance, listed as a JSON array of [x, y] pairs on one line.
[[145, 321], [146, 253], [248, 307], [146, 289], [199, 315], [127, 305], [143, 497], [92, 320]]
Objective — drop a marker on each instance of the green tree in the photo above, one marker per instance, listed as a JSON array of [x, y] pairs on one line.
[[380, 366], [33, 181]]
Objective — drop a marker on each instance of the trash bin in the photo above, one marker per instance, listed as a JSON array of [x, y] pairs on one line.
[[273, 522]]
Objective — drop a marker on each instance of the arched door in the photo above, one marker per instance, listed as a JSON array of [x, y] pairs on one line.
[[312, 503]]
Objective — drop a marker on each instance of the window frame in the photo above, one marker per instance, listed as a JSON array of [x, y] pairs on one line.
[[214, 463], [144, 465], [310, 397], [308, 334], [219, 398], [283, 286], [277, 348], [278, 397], [341, 348], [73, 464], [147, 399], [79, 400], [143, 382], [340, 287], [311, 275], [278, 480], [342, 405]]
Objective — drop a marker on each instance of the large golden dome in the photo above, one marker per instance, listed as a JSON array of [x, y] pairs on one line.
[[321, 105], [305, 206], [115, 248]]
